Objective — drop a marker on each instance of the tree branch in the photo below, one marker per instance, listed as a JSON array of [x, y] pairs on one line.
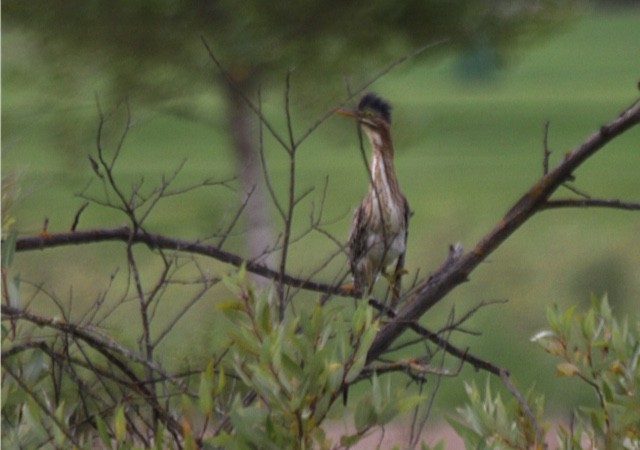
[[443, 343], [158, 241], [590, 203], [109, 349], [444, 281]]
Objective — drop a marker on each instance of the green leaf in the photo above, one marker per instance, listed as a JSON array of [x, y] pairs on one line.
[[247, 343], [120, 423], [567, 319], [342, 345], [159, 437], [404, 402], [103, 431], [241, 276], [607, 391], [205, 391], [221, 381], [230, 304], [361, 352], [263, 315], [336, 372], [553, 317], [376, 393], [59, 434], [440, 445], [364, 415], [349, 440], [292, 368], [34, 409], [265, 384], [231, 283], [9, 248], [588, 324], [13, 291], [323, 404], [470, 436], [618, 341], [605, 308], [222, 440], [566, 369]]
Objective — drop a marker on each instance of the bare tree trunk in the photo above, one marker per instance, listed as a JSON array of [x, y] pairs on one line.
[[244, 137]]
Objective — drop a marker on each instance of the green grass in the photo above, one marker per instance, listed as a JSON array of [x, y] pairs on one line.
[[465, 153]]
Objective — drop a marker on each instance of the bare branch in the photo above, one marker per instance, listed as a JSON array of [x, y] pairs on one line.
[[41, 404], [364, 86], [456, 325], [227, 232], [206, 286], [545, 149], [291, 194], [441, 283], [110, 350], [591, 203], [158, 241], [76, 218], [575, 190], [504, 376], [256, 110], [263, 163], [464, 355]]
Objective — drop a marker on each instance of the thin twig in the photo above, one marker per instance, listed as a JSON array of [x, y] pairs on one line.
[[545, 149], [424, 333], [227, 232], [504, 376], [591, 203], [256, 110], [455, 326], [382, 72], [263, 161], [291, 195], [42, 405], [76, 218], [575, 190]]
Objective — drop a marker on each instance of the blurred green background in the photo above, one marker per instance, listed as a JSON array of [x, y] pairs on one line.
[[468, 143]]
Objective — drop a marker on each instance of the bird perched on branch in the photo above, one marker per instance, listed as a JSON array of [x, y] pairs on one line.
[[379, 229]]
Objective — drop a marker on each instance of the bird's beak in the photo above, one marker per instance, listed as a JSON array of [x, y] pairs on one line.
[[346, 112]]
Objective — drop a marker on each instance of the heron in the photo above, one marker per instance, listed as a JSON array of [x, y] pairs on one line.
[[378, 235]]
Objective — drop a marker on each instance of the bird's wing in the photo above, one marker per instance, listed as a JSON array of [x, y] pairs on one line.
[[358, 240], [400, 262]]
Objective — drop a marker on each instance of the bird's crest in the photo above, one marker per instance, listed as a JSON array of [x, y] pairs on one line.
[[371, 102]]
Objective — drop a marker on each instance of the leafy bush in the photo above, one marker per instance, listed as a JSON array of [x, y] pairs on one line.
[[297, 369], [592, 348]]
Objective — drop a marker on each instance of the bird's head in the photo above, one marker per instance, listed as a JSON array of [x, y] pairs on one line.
[[372, 112]]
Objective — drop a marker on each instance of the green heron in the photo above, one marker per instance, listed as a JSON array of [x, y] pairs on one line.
[[379, 229]]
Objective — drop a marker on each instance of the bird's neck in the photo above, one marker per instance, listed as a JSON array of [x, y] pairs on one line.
[[382, 168]]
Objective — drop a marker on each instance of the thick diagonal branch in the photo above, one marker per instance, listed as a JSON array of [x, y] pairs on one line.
[[444, 281]]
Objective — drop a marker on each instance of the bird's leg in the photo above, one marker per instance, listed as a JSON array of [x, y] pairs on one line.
[[395, 283]]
